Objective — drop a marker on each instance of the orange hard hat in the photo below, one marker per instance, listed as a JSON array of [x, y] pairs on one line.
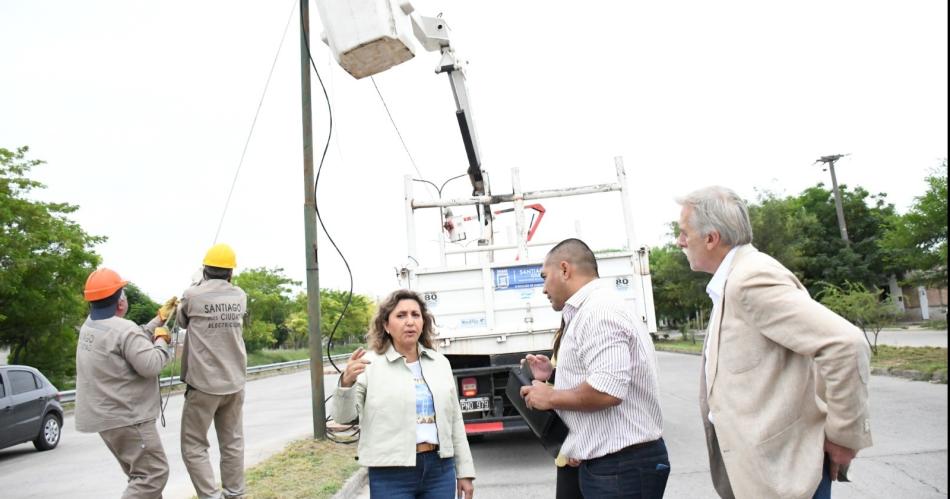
[[102, 283]]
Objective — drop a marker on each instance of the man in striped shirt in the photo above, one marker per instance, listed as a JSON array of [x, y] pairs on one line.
[[606, 384]]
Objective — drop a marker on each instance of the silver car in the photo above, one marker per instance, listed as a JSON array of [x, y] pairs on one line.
[[29, 408]]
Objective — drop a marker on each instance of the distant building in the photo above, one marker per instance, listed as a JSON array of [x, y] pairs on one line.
[[934, 301]]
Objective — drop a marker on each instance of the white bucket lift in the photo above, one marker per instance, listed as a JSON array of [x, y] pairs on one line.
[[367, 36]]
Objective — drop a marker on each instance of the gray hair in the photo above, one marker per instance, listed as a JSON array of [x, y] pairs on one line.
[[719, 209]]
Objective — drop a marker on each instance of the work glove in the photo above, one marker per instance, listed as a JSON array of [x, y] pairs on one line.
[[168, 308], [161, 332]]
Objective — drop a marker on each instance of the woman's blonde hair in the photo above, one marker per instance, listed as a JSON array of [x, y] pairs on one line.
[[379, 340]]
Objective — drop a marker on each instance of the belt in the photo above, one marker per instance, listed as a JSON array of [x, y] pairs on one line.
[[426, 447], [638, 446]]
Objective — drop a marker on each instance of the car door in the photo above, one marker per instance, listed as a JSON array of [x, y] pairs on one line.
[[28, 404], [6, 412]]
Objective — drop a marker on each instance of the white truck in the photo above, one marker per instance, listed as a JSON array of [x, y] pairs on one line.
[[491, 313]]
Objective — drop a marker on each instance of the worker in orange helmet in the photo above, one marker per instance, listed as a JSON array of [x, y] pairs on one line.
[[214, 366], [117, 394]]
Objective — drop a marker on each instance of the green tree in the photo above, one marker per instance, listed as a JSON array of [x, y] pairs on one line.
[[268, 304], [801, 232], [863, 307], [917, 240], [44, 260], [141, 308], [823, 257], [678, 292], [355, 322], [297, 325], [351, 329], [777, 226]]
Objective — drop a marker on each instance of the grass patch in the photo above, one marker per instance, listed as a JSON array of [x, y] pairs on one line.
[[934, 324], [681, 346], [262, 357], [928, 360], [304, 469], [341, 349]]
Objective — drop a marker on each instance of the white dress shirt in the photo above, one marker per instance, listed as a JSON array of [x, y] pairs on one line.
[[607, 346], [715, 289]]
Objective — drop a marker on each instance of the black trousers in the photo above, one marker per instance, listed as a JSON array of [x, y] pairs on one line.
[[568, 483]]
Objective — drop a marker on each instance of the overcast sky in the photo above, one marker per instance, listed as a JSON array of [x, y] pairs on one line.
[[141, 111]]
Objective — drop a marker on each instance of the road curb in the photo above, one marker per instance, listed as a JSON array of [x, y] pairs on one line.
[[352, 486], [911, 374]]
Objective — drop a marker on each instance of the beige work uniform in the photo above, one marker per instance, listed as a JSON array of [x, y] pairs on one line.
[[214, 366], [117, 368]]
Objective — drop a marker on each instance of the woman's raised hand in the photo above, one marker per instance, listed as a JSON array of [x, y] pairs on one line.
[[356, 365]]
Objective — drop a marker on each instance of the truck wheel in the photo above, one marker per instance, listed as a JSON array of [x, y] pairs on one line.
[[49, 433]]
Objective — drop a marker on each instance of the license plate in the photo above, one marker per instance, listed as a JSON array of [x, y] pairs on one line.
[[477, 404]]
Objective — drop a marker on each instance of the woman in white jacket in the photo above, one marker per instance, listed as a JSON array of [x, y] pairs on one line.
[[412, 436]]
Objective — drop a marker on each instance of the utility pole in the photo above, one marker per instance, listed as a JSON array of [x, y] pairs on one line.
[[829, 161], [310, 234]]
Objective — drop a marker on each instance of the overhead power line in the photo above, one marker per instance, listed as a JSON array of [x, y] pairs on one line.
[[257, 113], [398, 133]]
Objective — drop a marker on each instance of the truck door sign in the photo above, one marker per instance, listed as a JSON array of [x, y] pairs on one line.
[[522, 276]]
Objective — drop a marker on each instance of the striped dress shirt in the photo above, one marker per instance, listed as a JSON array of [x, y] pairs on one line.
[[606, 346]]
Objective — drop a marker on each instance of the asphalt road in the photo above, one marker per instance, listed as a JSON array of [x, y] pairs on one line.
[[909, 459], [277, 411]]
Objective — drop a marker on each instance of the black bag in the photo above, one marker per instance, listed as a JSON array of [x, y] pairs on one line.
[[546, 425]]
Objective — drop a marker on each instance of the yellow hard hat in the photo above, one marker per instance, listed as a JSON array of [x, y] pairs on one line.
[[220, 255]]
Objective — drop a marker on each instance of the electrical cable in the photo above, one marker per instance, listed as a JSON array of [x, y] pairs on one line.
[[439, 189], [316, 183], [355, 428], [257, 113], [174, 347], [331, 435], [164, 404], [398, 133]]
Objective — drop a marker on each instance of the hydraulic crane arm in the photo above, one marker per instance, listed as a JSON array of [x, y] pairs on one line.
[[432, 33]]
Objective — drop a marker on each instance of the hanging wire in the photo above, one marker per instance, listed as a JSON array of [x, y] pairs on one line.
[[316, 183], [163, 404], [398, 133], [250, 132]]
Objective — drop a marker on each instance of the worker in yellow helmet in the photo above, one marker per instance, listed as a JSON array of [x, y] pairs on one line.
[[117, 367], [213, 366]]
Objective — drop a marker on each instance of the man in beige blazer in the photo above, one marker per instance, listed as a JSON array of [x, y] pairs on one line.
[[783, 396]]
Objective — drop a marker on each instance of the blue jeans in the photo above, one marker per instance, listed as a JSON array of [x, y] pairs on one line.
[[631, 473], [431, 478], [824, 487]]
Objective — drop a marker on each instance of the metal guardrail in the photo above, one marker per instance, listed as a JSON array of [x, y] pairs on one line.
[[70, 395]]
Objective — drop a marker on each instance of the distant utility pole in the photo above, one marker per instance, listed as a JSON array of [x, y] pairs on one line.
[[829, 161]]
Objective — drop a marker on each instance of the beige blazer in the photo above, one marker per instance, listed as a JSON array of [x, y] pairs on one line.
[[785, 373]]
